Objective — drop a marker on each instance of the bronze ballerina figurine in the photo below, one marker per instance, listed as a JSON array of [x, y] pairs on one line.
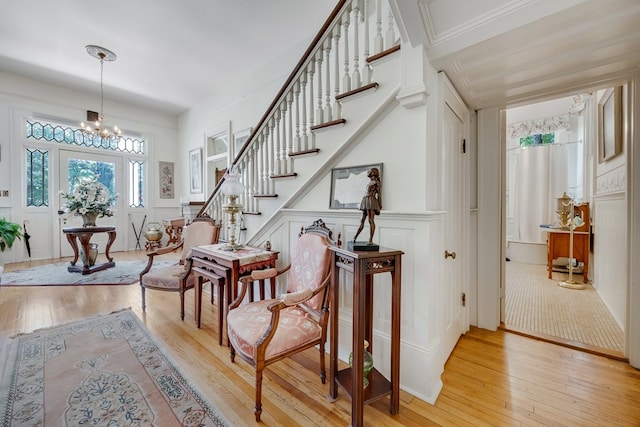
[[371, 204]]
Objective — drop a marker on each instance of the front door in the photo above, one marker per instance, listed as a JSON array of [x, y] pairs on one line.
[[76, 163]]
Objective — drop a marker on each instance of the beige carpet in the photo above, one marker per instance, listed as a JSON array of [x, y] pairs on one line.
[[537, 304], [103, 371]]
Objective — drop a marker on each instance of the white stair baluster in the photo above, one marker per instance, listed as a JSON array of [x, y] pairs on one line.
[[390, 36], [378, 43], [366, 69], [319, 110], [328, 115], [277, 142], [288, 165], [355, 77], [296, 94], [346, 79], [337, 107], [303, 109]]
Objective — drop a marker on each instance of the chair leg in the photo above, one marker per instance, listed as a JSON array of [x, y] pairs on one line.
[[181, 305], [144, 305], [258, 409], [323, 372]]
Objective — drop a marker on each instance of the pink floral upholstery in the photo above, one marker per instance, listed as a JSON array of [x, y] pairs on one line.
[[309, 266], [167, 278], [248, 323]]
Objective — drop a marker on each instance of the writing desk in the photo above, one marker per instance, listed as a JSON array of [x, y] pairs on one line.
[[558, 246], [84, 234]]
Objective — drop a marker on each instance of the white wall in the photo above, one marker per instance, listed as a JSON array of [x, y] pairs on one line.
[[21, 97], [610, 270]]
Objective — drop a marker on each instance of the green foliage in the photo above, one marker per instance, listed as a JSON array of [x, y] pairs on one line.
[[537, 139], [9, 232]]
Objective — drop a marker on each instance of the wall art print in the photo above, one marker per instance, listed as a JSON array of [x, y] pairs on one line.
[[166, 172]]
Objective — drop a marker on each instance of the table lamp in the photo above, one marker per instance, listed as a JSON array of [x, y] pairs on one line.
[[232, 188]]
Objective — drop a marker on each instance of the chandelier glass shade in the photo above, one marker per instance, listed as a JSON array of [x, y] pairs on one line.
[[97, 128]]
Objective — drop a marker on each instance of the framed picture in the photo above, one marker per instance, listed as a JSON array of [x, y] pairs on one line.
[[195, 170], [166, 180], [610, 125], [348, 186], [239, 138]]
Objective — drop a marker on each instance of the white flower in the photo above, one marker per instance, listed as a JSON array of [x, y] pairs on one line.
[[90, 196]]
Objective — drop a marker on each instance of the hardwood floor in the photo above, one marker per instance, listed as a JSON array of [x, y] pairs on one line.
[[490, 379]]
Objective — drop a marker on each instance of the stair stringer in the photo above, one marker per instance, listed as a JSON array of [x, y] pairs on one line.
[[351, 134]]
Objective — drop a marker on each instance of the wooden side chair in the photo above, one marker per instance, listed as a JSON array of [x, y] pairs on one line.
[[178, 277], [264, 332]]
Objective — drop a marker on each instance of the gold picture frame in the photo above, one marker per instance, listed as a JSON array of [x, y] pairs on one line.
[[610, 124]]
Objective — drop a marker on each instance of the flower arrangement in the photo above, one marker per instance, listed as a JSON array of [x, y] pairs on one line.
[[90, 197]]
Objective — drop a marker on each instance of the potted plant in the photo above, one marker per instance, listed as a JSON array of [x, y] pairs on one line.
[[9, 232]]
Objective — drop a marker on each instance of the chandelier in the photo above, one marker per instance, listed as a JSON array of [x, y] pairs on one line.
[[97, 128]]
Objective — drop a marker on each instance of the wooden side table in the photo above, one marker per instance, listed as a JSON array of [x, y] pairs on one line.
[[218, 275], [236, 263], [363, 265], [84, 234]]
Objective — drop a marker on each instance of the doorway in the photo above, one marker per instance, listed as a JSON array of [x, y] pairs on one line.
[[550, 148], [77, 163]]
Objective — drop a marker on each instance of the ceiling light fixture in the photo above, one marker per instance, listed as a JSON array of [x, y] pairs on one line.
[[99, 129]]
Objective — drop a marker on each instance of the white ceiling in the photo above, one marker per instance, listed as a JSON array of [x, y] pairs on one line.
[[172, 55]]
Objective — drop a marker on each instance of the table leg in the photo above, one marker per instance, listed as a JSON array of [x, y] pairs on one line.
[[396, 293], [357, 374], [85, 238], [71, 238], [112, 238], [199, 299]]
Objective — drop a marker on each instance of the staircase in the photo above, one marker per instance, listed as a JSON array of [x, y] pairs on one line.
[[288, 151]]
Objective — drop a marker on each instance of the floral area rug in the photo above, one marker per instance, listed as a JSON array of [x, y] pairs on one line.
[[104, 371], [124, 273]]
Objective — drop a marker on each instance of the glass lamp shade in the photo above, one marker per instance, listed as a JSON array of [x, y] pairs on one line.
[[232, 185]]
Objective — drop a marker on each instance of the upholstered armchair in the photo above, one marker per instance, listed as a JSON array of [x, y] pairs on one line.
[[178, 277], [266, 331]]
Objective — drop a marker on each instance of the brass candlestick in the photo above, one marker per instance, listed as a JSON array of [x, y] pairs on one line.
[[232, 208]]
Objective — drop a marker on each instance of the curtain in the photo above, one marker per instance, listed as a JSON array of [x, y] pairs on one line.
[[541, 176]]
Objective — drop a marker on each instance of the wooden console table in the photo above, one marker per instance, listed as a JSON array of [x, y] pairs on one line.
[[558, 246], [84, 234], [363, 265]]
